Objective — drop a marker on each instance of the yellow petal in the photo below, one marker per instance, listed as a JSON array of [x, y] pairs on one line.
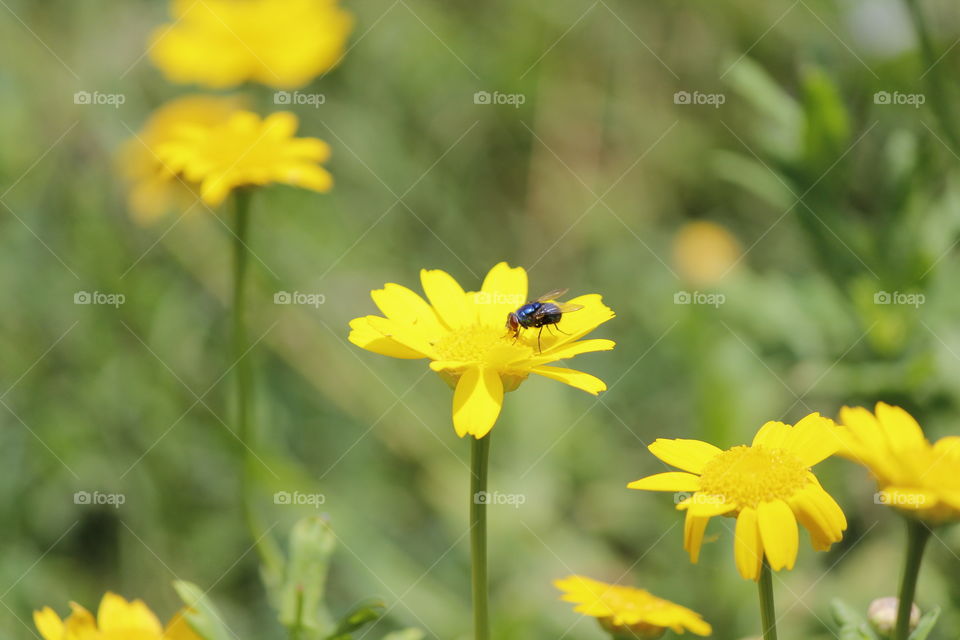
[[773, 434], [49, 624], [115, 613], [706, 505], [477, 402], [778, 530], [908, 498], [504, 290], [405, 335], [747, 546], [179, 629], [578, 379], [570, 350], [366, 337], [813, 439], [577, 324], [901, 430], [693, 529], [447, 298], [689, 455], [668, 481], [813, 518], [403, 305]]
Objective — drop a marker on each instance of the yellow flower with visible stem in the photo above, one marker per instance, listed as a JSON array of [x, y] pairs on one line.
[[921, 480], [627, 612], [117, 619], [154, 189], [767, 486], [246, 150], [464, 335], [224, 43]]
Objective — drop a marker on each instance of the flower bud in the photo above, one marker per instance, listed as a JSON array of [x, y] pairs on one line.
[[882, 615]]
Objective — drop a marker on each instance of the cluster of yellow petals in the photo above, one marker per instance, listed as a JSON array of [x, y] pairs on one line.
[[913, 475], [767, 486], [224, 43], [117, 619], [633, 612], [464, 335]]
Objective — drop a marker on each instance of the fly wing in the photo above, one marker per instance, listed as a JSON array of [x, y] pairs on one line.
[[551, 296], [566, 307]]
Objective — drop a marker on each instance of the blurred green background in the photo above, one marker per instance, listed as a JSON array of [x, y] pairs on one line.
[[827, 195]]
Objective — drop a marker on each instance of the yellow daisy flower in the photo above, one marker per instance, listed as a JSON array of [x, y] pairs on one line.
[[629, 611], [464, 335], [767, 486], [224, 43], [153, 188], [913, 475], [246, 150], [117, 619]]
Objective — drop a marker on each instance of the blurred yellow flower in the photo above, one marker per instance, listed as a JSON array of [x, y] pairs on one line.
[[246, 150], [465, 336], [767, 486], [117, 619], [704, 252], [154, 189], [913, 475], [629, 611], [224, 43]]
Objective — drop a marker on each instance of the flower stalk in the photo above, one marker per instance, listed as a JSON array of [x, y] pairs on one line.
[[479, 458], [768, 614], [917, 536]]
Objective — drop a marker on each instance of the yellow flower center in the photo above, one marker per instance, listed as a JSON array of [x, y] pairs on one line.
[[481, 343], [748, 476]]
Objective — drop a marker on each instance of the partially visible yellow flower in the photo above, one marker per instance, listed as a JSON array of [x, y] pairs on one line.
[[246, 150], [704, 252], [463, 333], [117, 619], [767, 486], [627, 610], [913, 475], [224, 43], [154, 189]]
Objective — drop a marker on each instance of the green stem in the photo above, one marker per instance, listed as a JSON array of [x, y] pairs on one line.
[[939, 101], [768, 614], [244, 372], [479, 457], [917, 535]]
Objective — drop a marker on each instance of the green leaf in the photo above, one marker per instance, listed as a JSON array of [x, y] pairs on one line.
[[298, 590], [780, 128], [843, 613], [827, 130], [926, 624], [201, 614], [358, 617]]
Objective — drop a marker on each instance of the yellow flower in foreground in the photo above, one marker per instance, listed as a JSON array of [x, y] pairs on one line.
[[465, 336], [630, 611], [154, 189], [767, 486], [117, 619], [224, 43], [913, 475], [246, 150]]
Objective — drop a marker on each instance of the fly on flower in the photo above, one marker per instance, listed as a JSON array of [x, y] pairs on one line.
[[545, 311]]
